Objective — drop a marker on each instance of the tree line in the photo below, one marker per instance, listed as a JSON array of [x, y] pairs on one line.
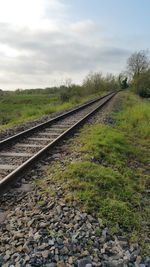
[[136, 76]]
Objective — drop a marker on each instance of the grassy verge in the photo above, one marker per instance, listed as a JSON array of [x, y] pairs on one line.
[[111, 180], [17, 108]]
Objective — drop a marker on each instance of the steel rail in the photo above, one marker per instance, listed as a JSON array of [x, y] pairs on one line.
[[19, 171]]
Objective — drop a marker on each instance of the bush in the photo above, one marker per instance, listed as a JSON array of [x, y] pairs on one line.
[[96, 82], [141, 84], [72, 91]]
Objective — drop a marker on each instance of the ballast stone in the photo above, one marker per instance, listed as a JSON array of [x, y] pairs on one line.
[[85, 262]]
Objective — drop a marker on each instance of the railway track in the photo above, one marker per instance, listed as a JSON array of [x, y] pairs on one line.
[[20, 151]]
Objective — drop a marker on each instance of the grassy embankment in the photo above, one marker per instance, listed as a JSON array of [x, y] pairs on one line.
[[16, 108], [110, 181]]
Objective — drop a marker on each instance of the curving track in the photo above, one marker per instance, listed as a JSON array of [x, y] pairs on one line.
[[18, 152]]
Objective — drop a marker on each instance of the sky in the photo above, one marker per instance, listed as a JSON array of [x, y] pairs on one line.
[[45, 42]]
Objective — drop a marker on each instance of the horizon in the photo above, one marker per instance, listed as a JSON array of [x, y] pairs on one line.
[[45, 42]]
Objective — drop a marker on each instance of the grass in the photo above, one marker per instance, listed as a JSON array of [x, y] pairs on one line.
[[103, 191], [111, 179], [136, 118], [17, 108]]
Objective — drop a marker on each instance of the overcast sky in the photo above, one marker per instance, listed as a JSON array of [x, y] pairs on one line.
[[44, 42]]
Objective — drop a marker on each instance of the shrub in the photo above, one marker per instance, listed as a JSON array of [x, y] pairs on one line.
[[141, 84], [96, 82]]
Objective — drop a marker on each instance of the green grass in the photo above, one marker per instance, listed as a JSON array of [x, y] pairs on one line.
[[135, 119], [106, 145], [111, 179], [17, 108], [104, 191]]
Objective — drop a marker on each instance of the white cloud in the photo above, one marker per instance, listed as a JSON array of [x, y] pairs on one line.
[[9, 51], [21, 13], [83, 27], [40, 45], [33, 14]]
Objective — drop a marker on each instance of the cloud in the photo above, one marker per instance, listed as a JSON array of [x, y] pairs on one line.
[[83, 27], [53, 50]]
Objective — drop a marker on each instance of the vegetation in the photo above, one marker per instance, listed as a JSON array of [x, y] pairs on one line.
[[138, 67], [123, 82], [141, 84], [19, 107], [25, 105], [96, 82], [111, 179], [138, 63]]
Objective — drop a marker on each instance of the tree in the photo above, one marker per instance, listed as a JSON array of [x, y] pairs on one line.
[[93, 82], [137, 63], [96, 82], [123, 81]]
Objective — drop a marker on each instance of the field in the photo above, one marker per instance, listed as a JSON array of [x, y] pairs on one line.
[[26, 105], [16, 108]]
